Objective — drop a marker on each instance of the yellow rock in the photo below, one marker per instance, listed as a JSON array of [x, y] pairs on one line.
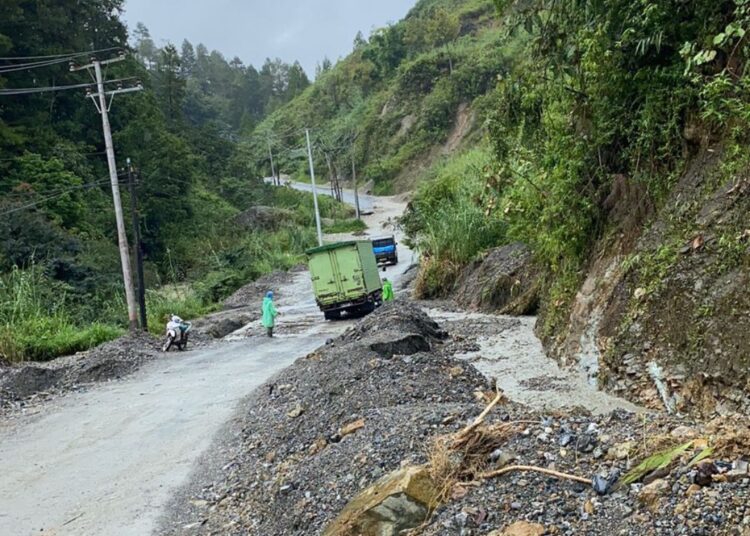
[[399, 501], [351, 427]]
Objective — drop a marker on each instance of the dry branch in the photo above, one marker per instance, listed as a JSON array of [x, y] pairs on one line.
[[534, 468]]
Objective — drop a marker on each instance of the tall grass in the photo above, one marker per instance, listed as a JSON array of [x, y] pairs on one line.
[[451, 221], [35, 323]]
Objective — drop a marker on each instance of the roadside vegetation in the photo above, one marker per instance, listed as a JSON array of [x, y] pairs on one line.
[[60, 278], [594, 115]]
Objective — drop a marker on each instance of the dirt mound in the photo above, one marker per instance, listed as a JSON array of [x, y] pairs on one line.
[[331, 423], [337, 421], [111, 360], [251, 295], [504, 281]]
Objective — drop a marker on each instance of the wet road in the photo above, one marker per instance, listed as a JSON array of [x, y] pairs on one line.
[[107, 461]]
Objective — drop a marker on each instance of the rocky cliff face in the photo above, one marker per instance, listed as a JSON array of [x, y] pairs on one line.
[[663, 315]]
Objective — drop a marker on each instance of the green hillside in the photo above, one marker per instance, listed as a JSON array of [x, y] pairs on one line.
[[411, 93]]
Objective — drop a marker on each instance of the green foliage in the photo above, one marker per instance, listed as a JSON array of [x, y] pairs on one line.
[[450, 221], [661, 460], [173, 299], [345, 226], [35, 319]]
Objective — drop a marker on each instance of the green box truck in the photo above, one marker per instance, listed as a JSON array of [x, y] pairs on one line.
[[345, 278]]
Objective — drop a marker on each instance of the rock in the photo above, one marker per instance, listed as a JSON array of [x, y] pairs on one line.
[[399, 501], [588, 507], [620, 451], [693, 489], [296, 411], [651, 495], [520, 528], [684, 433], [351, 427], [501, 458]]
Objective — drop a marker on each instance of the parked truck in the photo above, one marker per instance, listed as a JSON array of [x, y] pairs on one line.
[[385, 249], [345, 278]]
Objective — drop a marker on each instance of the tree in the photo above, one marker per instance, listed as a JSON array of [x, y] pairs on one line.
[[144, 46], [187, 59], [170, 85]]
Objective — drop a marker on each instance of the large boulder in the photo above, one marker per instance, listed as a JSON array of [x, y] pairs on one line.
[[399, 501]]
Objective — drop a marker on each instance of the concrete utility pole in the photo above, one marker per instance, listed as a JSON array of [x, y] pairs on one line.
[[276, 180], [103, 107], [314, 190], [356, 193], [138, 247]]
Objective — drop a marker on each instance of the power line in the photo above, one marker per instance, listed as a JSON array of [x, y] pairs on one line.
[[48, 89], [69, 55], [55, 196], [30, 66]]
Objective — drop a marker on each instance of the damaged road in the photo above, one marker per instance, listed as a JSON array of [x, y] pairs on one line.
[[107, 460]]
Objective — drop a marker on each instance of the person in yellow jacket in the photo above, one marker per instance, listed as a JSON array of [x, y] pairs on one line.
[[387, 290]]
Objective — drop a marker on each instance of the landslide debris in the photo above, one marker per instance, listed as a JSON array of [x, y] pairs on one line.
[[242, 307], [23, 384], [331, 424], [347, 418]]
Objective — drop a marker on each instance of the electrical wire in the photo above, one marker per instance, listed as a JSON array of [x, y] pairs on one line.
[[69, 55], [48, 89], [29, 66], [55, 196]]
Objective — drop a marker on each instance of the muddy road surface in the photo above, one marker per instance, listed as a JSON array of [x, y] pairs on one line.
[[106, 461]]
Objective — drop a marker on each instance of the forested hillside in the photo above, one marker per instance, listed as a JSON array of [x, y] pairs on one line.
[[607, 137], [60, 282]]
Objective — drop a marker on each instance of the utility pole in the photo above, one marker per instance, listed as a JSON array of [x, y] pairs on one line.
[[356, 194], [138, 247], [314, 190], [122, 239], [276, 180]]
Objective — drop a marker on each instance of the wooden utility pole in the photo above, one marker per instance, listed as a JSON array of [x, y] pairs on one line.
[[103, 107], [138, 247], [314, 190]]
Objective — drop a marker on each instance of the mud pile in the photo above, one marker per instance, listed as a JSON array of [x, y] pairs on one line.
[[21, 384], [333, 423], [338, 421]]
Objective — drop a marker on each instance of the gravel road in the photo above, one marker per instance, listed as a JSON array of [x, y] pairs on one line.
[[106, 461]]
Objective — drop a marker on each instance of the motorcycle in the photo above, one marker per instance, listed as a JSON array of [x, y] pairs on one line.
[[177, 333]]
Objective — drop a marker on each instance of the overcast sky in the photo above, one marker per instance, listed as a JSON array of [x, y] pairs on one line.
[[304, 30]]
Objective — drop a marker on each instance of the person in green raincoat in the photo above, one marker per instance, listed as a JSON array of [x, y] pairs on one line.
[[387, 290], [269, 313]]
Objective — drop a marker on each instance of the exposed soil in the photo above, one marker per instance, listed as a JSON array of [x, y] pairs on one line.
[[505, 280], [29, 383], [287, 466]]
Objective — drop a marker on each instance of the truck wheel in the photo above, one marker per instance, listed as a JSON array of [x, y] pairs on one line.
[[332, 315]]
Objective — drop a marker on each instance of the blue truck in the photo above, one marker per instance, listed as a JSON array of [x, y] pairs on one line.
[[385, 250]]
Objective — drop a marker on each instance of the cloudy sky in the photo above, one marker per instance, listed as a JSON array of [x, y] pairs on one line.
[[304, 30]]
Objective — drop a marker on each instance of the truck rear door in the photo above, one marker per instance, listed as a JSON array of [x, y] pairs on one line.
[[325, 280], [349, 271]]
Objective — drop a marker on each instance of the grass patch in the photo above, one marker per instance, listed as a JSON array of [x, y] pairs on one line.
[[345, 226], [45, 338], [180, 300]]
